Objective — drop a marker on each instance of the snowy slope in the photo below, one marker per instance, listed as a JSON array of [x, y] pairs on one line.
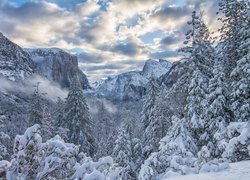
[[237, 171], [15, 64], [131, 85]]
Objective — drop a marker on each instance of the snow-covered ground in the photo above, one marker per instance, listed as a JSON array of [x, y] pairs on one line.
[[237, 171]]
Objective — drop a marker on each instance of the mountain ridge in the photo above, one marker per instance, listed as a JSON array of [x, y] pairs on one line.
[[132, 85]]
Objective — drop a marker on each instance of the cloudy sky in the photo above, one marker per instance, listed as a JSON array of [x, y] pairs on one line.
[[110, 36]]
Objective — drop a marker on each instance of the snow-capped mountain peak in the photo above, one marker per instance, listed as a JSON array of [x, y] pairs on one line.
[[132, 85], [153, 68]]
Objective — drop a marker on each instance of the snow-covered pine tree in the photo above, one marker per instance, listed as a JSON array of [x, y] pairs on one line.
[[163, 110], [148, 101], [215, 116], [3, 139], [58, 112], [240, 75], [201, 54], [58, 119], [104, 128], [111, 142], [47, 128], [153, 135], [235, 16], [151, 127], [136, 146], [176, 153], [36, 107], [77, 119], [122, 152]]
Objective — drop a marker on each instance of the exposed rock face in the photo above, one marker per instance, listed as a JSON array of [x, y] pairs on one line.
[[58, 65], [15, 63], [175, 72], [132, 85]]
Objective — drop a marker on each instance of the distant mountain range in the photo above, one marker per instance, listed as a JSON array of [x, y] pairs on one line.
[[61, 67]]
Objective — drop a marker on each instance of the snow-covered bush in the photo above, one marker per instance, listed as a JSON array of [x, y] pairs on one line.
[[238, 146], [100, 170], [54, 159], [4, 165], [25, 161], [175, 156], [34, 159], [214, 165]]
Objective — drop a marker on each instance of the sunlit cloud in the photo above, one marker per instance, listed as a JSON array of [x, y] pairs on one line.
[[109, 36]]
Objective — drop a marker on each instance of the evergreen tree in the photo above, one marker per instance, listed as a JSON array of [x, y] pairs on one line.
[[104, 130], [125, 153], [216, 117], [152, 135], [136, 147], [235, 17], [149, 101], [240, 75], [110, 142], [58, 112], [36, 107], [152, 126], [3, 139], [176, 153], [77, 119], [196, 103], [201, 55], [58, 119], [47, 128], [122, 151]]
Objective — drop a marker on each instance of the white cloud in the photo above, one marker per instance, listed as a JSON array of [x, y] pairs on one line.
[[112, 35], [87, 8], [38, 24]]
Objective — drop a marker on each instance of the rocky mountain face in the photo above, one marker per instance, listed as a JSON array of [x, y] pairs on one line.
[[15, 63], [58, 66], [132, 85], [175, 72]]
